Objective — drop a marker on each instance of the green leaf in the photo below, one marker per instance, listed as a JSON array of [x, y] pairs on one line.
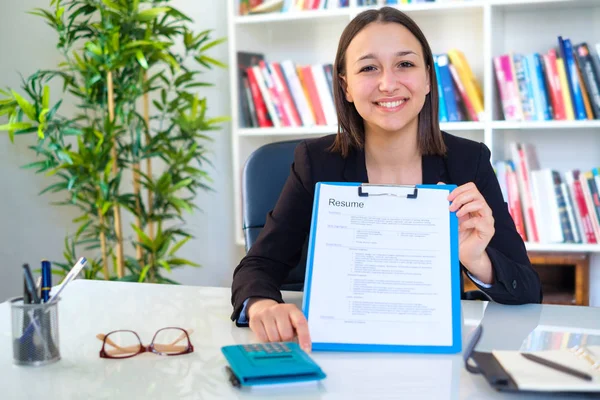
[[46, 97], [64, 156], [112, 5], [182, 261], [209, 60], [170, 60], [141, 59], [144, 238], [15, 126], [93, 48], [181, 184], [138, 43], [41, 165], [54, 188], [59, 13], [26, 106], [53, 110], [165, 265], [72, 132], [179, 204], [105, 207], [212, 44], [198, 84], [175, 248], [178, 14], [144, 272], [217, 120], [152, 13]]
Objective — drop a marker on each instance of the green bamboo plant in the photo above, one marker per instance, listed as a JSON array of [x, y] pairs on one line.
[[118, 55]]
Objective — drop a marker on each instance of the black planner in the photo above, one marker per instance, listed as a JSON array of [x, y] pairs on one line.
[[489, 366]]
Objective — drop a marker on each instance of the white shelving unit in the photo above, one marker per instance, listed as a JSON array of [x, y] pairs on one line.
[[482, 29]]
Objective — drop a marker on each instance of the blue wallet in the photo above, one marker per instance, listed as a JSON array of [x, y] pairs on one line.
[[270, 363]]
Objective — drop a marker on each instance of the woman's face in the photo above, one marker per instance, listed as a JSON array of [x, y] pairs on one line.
[[386, 77]]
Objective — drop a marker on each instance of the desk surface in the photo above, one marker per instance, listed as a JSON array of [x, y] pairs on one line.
[[91, 307]]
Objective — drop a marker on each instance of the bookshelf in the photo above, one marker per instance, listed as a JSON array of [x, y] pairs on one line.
[[481, 29]]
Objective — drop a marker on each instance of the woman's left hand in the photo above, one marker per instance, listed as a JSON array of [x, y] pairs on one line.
[[475, 229]]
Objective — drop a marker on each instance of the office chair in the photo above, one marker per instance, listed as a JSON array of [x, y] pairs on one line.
[[263, 178]]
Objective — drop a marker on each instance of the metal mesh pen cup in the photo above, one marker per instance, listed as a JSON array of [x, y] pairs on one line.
[[34, 332]]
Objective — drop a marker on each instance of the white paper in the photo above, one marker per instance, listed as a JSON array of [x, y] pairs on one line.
[[381, 269]]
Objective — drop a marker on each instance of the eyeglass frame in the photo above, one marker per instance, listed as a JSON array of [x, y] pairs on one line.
[[143, 348]]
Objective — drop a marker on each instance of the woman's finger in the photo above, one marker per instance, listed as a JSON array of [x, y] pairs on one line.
[[285, 328], [271, 328], [301, 326], [471, 223], [461, 189], [480, 224], [464, 198], [257, 326], [476, 206]]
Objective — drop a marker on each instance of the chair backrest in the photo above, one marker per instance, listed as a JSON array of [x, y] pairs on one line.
[[263, 178]]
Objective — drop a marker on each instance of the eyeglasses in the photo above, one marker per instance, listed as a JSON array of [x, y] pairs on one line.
[[166, 342]]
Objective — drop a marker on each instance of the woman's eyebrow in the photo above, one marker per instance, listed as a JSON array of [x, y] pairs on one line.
[[398, 54]]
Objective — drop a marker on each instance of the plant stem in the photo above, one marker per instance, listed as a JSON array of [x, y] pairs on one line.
[[149, 170], [148, 160], [103, 246], [139, 253], [115, 170]]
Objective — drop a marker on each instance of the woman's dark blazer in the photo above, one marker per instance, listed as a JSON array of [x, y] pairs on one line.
[[279, 245]]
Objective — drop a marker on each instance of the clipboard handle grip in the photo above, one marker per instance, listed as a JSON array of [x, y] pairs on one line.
[[362, 191]]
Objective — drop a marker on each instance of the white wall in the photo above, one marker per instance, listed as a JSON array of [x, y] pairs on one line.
[[32, 229]]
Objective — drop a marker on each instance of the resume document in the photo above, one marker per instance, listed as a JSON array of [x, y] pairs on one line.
[[380, 271]]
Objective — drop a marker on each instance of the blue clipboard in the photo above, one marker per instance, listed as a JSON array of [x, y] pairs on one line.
[[456, 346]]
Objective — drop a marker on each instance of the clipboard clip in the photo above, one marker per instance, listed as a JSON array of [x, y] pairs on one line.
[[363, 193]]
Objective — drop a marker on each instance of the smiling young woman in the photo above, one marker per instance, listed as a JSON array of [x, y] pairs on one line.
[[385, 92]]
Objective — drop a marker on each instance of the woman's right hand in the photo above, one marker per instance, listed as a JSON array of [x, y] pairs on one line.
[[274, 322]]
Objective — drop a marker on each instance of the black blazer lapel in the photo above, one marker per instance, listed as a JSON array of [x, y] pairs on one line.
[[355, 168], [434, 170]]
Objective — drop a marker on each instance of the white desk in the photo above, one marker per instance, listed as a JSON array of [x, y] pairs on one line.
[[91, 307]]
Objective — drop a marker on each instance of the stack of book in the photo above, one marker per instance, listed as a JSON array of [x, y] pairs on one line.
[[562, 84], [267, 6], [391, 2], [459, 91], [274, 94], [546, 206]]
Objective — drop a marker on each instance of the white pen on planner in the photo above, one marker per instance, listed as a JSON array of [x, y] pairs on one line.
[[70, 276]]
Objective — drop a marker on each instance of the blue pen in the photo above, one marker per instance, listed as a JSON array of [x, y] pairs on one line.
[[46, 280]]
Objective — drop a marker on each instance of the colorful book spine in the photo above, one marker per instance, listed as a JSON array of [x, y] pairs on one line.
[[572, 78], [508, 88], [554, 86], [471, 85], [564, 84], [442, 111], [521, 74], [590, 75], [448, 88]]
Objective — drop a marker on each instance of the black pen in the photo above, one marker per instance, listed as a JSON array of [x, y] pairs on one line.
[[235, 382], [30, 284], [26, 295], [558, 367]]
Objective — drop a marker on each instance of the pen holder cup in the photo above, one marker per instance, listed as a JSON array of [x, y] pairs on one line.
[[34, 332]]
